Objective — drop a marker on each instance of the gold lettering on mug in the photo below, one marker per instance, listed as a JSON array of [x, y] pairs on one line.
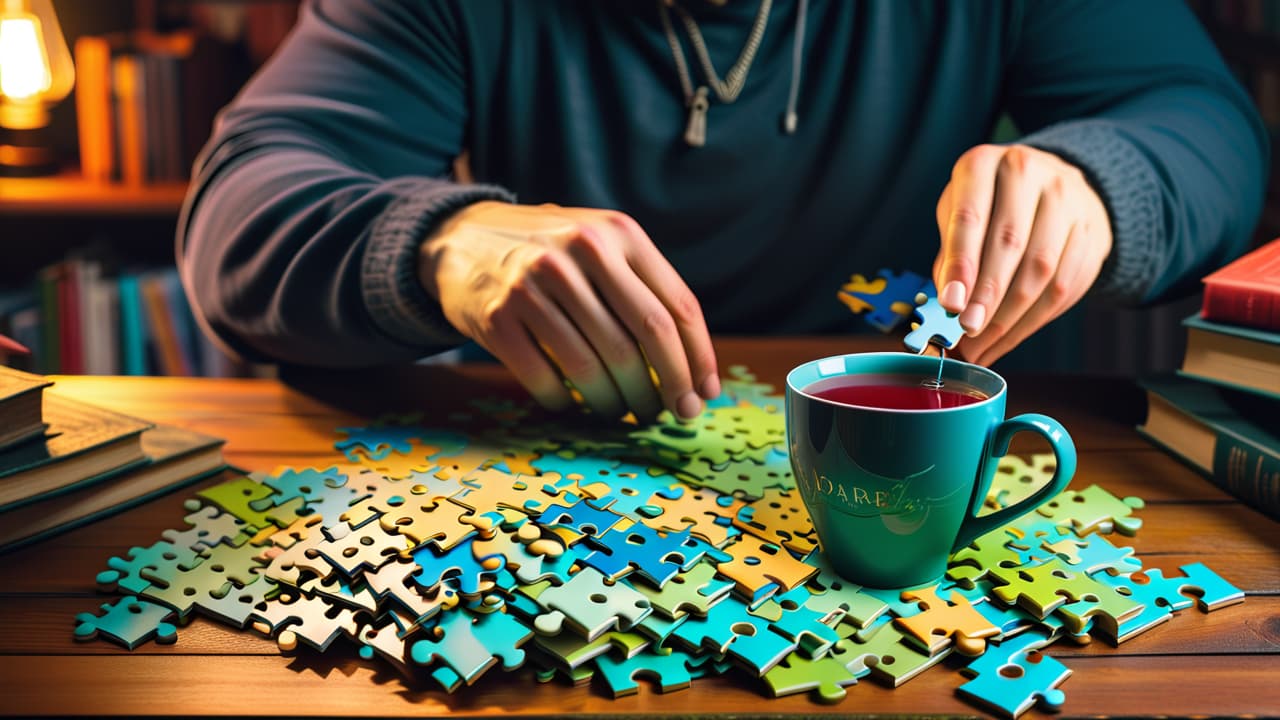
[[895, 498]]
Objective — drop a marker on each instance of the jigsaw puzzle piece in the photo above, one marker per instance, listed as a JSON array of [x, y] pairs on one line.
[[1017, 479], [590, 605], [811, 630], [706, 512], [779, 516], [468, 646], [745, 479], [892, 304], [655, 556], [209, 526], [946, 621], [669, 671], [692, 591], [307, 485], [474, 575], [569, 651], [1094, 509], [315, 622], [378, 441], [241, 496], [1013, 675], [937, 326], [852, 293], [129, 622], [760, 568], [1197, 584], [827, 677], [731, 628], [881, 651], [146, 565]]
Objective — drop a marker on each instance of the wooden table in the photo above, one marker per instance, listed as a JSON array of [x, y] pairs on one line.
[[1224, 663]]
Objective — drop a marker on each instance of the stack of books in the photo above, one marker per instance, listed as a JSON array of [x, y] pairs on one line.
[[64, 463], [1221, 413]]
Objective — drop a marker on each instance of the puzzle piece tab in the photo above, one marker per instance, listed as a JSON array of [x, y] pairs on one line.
[[937, 326]]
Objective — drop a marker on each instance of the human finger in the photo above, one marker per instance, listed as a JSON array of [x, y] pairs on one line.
[[640, 311], [1046, 242], [652, 267], [568, 349], [561, 278], [1069, 283], [964, 228], [1016, 195], [507, 339]]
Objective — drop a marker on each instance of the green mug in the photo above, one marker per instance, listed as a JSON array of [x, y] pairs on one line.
[[892, 493]]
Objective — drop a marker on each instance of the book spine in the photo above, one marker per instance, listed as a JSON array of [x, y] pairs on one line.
[[49, 360], [1231, 303], [1248, 471], [93, 107], [130, 118], [133, 340]]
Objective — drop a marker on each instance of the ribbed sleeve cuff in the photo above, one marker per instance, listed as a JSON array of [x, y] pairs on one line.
[[393, 296], [1129, 187]]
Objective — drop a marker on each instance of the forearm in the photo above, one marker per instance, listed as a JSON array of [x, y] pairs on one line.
[[291, 256], [1135, 95]]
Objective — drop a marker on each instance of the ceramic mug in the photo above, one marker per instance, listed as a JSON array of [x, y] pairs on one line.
[[893, 493]]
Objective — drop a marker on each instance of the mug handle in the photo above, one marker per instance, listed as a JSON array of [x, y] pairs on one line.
[[1064, 451]]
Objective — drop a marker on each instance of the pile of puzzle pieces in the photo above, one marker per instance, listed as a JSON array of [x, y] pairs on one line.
[[666, 552]]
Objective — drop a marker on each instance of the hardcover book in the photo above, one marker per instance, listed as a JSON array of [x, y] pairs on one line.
[[1237, 357], [1247, 291], [172, 458], [1232, 438], [84, 444], [21, 397]]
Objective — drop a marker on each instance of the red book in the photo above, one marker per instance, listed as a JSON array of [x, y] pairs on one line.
[[1247, 291]]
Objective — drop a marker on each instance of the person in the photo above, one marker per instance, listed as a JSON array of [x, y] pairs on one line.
[[649, 171]]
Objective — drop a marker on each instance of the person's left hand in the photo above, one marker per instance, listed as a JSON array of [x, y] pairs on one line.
[[1024, 237]]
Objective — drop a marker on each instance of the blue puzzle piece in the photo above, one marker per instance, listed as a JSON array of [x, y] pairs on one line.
[[1010, 679], [378, 441], [655, 556], [468, 646], [308, 485], [1198, 584], [729, 627], [128, 621], [459, 561], [899, 288], [670, 671], [581, 517], [937, 326]]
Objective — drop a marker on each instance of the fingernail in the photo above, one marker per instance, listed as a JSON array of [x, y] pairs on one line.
[[711, 387], [952, 295], [689, 405], [973, 317]]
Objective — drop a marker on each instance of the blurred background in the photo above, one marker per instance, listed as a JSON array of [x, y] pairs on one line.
[[92, 179]]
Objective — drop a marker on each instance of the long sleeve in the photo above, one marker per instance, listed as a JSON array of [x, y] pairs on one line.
[[299, 239], [1162, 130]]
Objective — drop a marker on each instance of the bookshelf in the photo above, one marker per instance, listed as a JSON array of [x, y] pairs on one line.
[[92, 247], [71, 194]]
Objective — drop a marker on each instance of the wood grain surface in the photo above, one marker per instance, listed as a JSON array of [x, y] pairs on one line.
[[1225, 663]]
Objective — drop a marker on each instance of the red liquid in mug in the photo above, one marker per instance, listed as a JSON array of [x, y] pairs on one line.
[[894, 392]]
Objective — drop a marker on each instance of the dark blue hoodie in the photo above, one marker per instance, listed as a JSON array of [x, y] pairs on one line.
[[300, 238]]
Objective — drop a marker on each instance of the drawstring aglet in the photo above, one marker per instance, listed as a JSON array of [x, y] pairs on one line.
[[695, 133]]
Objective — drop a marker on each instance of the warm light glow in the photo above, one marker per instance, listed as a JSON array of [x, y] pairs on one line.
[[35, 65], [24, 63]]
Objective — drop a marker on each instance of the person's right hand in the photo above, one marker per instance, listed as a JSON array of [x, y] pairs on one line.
[[573, 294]]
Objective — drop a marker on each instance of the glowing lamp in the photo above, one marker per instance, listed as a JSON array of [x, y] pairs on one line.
[[35, 73]]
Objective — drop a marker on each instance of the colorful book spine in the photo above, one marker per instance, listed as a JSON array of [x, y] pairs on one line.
[[133, 335]]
